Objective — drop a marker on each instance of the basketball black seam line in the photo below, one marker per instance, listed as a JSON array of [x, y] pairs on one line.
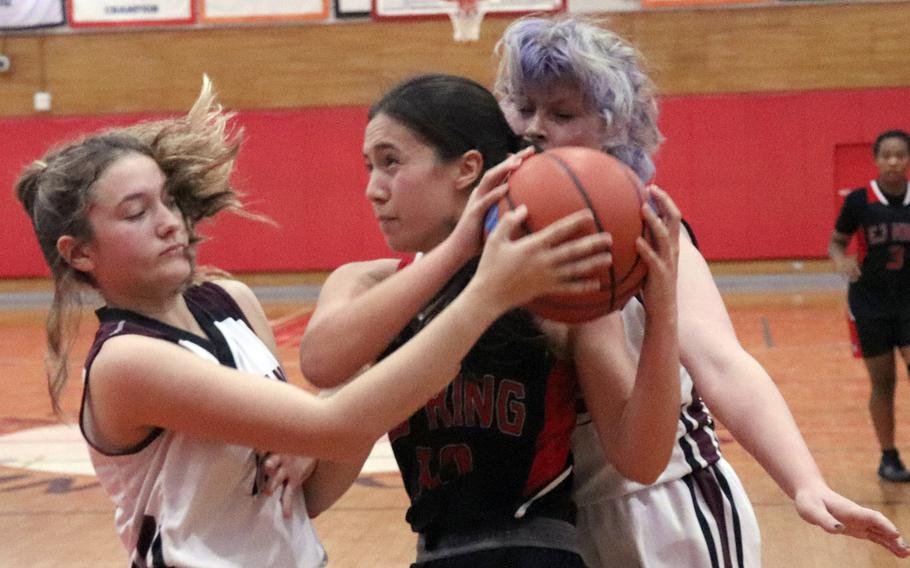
[[587, 199], [524, 224], [644, 226]]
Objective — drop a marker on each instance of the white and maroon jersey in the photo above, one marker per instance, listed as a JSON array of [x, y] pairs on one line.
[[186, 502], [696, 448]]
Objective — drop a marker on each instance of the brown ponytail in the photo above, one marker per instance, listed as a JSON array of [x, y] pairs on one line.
[[196, 153]]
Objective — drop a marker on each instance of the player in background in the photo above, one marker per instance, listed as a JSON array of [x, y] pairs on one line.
[[879, 289]]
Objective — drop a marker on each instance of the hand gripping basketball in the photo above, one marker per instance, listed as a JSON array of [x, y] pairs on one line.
[[561, 181]]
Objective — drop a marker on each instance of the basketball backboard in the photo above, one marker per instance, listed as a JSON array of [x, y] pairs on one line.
[[466, 15]]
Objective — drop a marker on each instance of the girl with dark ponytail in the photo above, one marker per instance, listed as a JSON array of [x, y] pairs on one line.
[[486, 462]]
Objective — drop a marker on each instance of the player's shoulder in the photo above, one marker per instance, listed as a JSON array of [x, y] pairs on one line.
[[125, 353], [857, 198], [858, 193], [247, 302], [362, 274], [240, 292]]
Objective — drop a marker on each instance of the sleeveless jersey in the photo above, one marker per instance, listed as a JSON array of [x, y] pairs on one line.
[[494, 445], [182, 501], [697, 445], [882, 225]]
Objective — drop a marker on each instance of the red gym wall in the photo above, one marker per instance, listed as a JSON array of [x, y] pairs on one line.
[[755, 175], [767, 110]]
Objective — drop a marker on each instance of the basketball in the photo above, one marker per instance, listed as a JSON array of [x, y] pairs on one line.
[[560, 181]]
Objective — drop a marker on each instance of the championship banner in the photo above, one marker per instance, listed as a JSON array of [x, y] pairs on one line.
[[83, 13], [24, 14], [260, 10]]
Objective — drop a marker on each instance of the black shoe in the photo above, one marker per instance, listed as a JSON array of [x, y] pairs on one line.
[[893, 471]]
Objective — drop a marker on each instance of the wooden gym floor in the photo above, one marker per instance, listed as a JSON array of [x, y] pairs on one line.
[[793, 325]]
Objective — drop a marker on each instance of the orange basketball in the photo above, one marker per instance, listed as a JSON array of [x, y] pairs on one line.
[[560, 181]]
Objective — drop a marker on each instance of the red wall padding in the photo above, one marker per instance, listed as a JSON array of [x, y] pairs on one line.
[[754, 174], [303, 168]]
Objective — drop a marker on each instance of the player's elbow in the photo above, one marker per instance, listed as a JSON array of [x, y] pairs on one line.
[[316, 506], [318, 376], [318, 368], [649, 476], [646, 474], [352, 446], [646, 466]]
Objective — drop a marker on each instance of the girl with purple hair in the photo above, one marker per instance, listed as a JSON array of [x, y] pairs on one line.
[[565, 82]]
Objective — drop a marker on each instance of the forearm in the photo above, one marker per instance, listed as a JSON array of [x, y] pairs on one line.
[[837, 247], [344, 425], [393, 389], [755, 412], [328, 483], [652, 411], [329, 356], [836, 251], [735, 386]]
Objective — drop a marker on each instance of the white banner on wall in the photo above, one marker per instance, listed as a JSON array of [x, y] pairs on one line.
[[21, 14], [254, 10], [352, 7], [130, 12], [602, 6]]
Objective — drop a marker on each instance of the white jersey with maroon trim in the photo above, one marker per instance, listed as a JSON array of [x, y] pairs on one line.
[[186, 502], [696, 448]]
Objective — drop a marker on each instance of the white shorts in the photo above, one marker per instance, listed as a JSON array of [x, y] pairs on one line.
[[704, 520]]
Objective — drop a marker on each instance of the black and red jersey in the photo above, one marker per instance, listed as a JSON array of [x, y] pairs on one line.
[[494, 445], [881, 223]]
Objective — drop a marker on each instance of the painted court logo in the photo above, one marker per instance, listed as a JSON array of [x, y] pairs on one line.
[[59, 449], [51, 456]]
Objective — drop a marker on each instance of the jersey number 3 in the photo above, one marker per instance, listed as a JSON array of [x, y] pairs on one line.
[[895, 257]]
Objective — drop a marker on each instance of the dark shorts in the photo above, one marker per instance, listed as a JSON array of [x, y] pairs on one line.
[[512, 557], [880, 335]]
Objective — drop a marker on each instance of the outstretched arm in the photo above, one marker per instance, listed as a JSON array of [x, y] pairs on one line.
[[745, 399], [139, 382]]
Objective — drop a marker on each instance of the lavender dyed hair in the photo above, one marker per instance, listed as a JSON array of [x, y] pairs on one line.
[[536, 53]]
